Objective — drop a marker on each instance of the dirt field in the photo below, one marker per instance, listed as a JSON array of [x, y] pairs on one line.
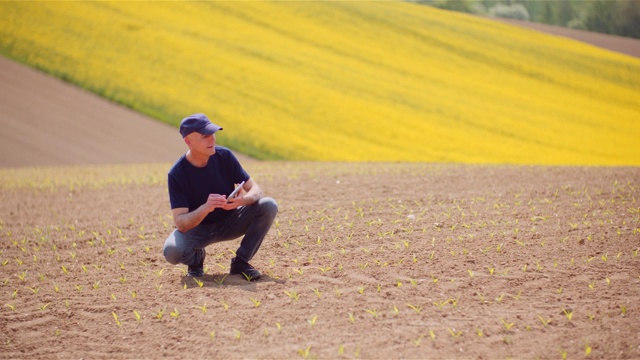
[[365, 261]]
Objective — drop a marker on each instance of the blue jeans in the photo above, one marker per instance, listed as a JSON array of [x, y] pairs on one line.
[[252, 221]]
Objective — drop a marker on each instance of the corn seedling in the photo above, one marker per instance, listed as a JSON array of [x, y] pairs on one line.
[[224, 305], [203, 308], [373, 313], [115, 317], [544, 321], [137, 315], [317, 292], [12, 307], [221, 280], [568, 314], [563, 354], [417, 309], [440, 304], [174, 313], [507, 325], [305, 352], [256, 302], [351, 317], [160, 313], [199, 282], [418, 341], [337, 292], [293, 295], [312, 321], [454, 333], [517, 296]]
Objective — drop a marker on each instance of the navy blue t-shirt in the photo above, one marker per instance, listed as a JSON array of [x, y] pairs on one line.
[[190, 186]]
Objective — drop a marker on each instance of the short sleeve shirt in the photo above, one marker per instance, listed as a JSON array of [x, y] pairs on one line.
[[190, 186]]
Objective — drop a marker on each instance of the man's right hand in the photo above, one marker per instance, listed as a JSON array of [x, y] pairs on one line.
[[215, 201]]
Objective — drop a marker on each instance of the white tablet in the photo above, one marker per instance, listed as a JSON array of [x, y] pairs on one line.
[[235, 192]]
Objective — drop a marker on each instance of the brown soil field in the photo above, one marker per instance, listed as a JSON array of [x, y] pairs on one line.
[[365, 260]]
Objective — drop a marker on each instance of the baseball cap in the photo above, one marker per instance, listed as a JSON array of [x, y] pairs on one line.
[[197, 123]]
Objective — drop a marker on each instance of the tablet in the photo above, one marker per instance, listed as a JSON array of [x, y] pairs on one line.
[[235, 192]]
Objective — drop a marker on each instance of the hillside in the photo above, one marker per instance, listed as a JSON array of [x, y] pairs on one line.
[[344, 81]]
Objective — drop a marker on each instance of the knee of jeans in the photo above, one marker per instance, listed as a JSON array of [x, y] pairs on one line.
[[172, 255], [270, 206]]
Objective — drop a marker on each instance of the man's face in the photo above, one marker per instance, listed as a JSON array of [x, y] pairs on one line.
[[203, 144]]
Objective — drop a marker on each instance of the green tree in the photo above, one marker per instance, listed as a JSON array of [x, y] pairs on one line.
[[630, 19], [614, 17], [601, 17], [547, 14], [566, 13]]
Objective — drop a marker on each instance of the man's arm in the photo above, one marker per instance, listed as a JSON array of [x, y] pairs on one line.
[[185, 220], [251, 194]]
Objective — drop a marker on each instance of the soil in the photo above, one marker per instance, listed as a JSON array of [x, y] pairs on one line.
[[364, 261]]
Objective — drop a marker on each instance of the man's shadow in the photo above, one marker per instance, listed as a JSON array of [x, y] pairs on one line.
[[227, 280]]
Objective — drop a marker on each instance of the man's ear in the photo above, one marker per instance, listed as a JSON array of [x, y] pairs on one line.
[[187, 141]]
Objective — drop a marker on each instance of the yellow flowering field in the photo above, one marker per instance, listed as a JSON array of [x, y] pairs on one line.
[[344, 81]]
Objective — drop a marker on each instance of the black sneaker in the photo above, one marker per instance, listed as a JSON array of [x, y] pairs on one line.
[[198, 269], [241, 267]]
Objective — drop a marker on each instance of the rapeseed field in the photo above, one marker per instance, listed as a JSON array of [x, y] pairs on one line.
[[343, 80]]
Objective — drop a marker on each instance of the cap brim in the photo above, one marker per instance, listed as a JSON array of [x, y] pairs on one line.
[[209, 129]]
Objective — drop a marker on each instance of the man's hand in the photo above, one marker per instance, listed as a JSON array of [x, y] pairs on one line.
[[234, 202], [215, 201]]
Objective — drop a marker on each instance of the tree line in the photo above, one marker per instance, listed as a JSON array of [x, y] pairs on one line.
[[615, 17]]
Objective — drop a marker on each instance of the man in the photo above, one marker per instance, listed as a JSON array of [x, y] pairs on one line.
[[199, 183]]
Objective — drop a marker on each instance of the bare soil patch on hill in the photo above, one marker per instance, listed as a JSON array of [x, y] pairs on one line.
[[623, 45], [364, 261]]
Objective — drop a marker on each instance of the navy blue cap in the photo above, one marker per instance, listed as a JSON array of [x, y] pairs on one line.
[[197, 123]]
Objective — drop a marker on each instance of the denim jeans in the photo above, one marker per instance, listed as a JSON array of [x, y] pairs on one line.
[[252, 221]]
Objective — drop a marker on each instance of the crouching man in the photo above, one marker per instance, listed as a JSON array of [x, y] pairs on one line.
[[203, 213]]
